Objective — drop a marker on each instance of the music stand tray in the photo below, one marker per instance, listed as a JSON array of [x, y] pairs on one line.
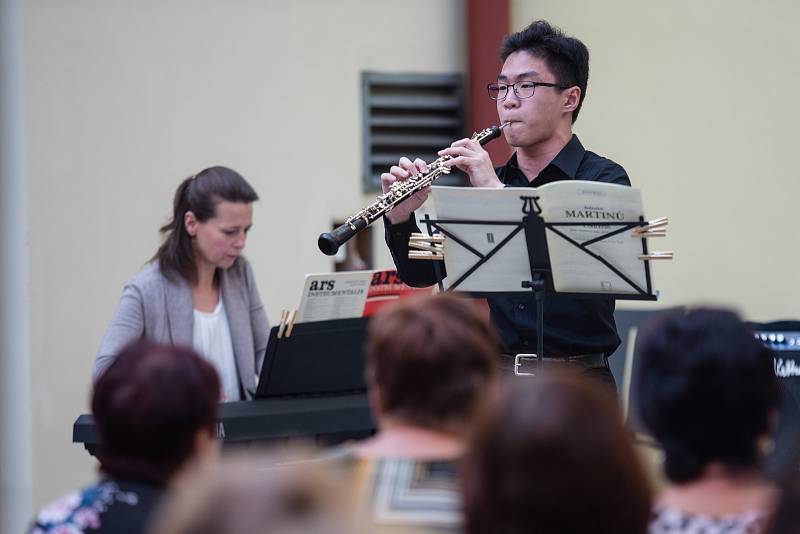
[[319, 358]]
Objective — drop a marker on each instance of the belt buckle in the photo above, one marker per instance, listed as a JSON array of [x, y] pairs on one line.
[[518, 363]]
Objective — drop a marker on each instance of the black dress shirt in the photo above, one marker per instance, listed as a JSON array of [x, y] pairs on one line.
[[571, 326]]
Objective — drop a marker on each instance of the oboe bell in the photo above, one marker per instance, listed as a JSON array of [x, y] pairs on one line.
[[329, 242]]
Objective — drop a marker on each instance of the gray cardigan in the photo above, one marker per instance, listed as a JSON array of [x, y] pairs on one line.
[[159, 308]]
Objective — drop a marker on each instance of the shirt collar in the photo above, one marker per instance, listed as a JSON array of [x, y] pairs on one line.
[[567, 160], [570, 157]]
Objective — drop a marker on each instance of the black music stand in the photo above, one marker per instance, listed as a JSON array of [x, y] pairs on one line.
[[541, 280], [318, 358]]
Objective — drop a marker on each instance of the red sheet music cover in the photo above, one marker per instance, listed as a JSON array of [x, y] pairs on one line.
[[387, 287]]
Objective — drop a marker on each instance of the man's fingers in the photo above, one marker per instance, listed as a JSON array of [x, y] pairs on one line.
[[387, 180], [461, 142], [459, 162], [399, 172], [422, 195], [404, 169], [408, 166], [471, 144], [455, 151]]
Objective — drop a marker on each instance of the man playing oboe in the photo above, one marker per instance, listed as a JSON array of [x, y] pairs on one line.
[[539, 92]]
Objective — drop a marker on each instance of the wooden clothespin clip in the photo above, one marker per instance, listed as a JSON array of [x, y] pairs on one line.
[[290, 322], [651, 233], [666, 255], [436, 238], [282, 324], [424, 255], [426, 247], [422, 245], [654, 228]]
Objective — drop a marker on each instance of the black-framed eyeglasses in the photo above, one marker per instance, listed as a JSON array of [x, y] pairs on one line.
[[523, 89]]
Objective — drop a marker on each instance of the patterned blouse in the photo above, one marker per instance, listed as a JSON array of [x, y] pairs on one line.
[[672, 521], [405, 496], [111, 505]]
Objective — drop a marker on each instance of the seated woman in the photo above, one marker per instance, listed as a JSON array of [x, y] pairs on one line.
[[429, 362], [155, 410], [198, 290], [707, 392], [551, 454]]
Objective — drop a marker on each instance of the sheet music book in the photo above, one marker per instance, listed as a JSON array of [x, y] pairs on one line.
[[386, 288], [572, 201], [349, 294], [328, 296]]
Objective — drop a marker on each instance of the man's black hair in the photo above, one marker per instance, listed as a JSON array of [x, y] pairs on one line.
[[566, 57]]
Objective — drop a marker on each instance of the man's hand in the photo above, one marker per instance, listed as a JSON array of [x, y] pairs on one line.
[[469, 156], [404, 170]]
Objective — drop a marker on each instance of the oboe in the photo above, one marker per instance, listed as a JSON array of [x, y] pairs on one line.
[[329, 242]]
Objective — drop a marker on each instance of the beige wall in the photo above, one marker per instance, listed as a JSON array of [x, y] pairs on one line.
[[696, 100], [125, 99]]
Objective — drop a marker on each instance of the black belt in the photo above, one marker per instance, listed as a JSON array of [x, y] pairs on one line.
[[531, 362]]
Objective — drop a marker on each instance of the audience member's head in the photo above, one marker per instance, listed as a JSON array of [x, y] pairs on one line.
[[552, 455], [153, 408], [430, 359], [706, 391], [251, 495]]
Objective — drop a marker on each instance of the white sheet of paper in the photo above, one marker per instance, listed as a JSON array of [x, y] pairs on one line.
[[564, 201], [507, 268], [579, 201], [328, 296]]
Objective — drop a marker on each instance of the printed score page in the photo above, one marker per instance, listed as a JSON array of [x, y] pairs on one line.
[[573, 270], [593, 202], [328, 296], [505, 270]]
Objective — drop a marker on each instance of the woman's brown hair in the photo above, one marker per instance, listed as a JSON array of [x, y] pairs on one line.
[[432, 358], [551, 455], [199, 194], [148, 407]]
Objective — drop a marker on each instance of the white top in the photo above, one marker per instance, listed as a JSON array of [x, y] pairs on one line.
[[211, 337]]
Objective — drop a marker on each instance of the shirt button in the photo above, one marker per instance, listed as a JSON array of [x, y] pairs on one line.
[[521, 306]]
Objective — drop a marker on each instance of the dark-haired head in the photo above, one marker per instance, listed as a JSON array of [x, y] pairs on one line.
[[199, 194], [706, 391], [431, 359], [552, 455], [566, 57], [149, 406]]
